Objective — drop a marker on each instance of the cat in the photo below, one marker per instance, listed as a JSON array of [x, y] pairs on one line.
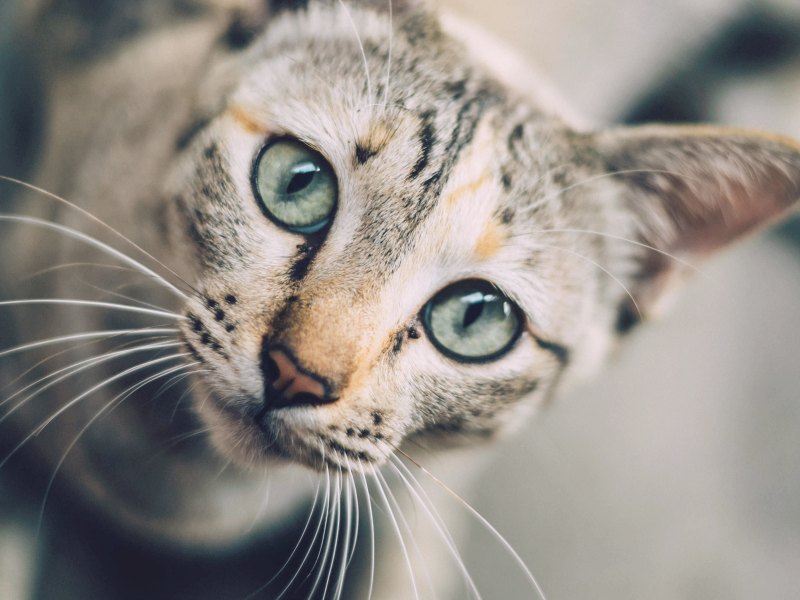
[[356, 232]]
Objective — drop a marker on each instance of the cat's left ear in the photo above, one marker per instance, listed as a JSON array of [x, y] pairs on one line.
[[693, 190]]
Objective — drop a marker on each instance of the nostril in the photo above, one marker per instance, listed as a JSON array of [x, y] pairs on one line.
[[269, 369], [286, 383]]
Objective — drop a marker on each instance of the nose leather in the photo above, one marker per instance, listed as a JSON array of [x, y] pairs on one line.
[[286, 383]]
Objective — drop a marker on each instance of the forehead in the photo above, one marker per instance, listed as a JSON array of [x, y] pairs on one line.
[[421, 141]]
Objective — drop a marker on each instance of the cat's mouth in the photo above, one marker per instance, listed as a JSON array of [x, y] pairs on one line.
[[318, 448], [295, 434]]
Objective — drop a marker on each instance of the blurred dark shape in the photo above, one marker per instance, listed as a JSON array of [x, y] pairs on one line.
[[757, 42]]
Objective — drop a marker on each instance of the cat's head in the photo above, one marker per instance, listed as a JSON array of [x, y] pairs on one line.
[[388, 241]]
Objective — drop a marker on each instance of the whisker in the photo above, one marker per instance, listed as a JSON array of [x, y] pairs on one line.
[[404, 522], [332, 557], [92, 304], [288, 561], [76, 347], [116, 294], [622, 239], [483, 521], [91, 241], [356, 513], [75, 265], [602, 268], [429, 507], [371, 533], [350, 538], [83, 395], [178, 439], [169, 383], [327, 537], [550, 197], [83, 336], [322, 524], [389, 57], [75, 368], [105, 382], [189, 391], [361, 47], [103, 224], [379, 481], [109, 406]]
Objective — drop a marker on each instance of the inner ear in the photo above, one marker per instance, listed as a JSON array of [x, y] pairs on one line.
[[694, 190]]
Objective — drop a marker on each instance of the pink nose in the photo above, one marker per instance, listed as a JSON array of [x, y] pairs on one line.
[[287, 384]]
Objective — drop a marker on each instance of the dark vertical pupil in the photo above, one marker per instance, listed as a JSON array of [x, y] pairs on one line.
[[303, 175], [473, 313]]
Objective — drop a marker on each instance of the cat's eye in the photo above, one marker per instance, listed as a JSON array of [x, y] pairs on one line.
[[472, 321], [295, 186]]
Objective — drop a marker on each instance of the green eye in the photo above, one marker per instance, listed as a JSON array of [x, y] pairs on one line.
[[295, 186], [472, 321]]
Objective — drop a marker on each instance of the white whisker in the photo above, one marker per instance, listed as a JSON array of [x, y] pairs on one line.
[[322, 524], [484, 522], [371, 533], [288, 561], [622, 239], [332, 556], [78, 235], [75, 368], [100, 222], [110, 405], [351, 536], [83, 395], [357, 514], [92, 304], [104, 383], [433, 515], [327, 537], [74, 265], [550, 197], [361, 47], [380, 483], [84, 336], [75, 347], [602, 268], [389, 57], [115, 293]]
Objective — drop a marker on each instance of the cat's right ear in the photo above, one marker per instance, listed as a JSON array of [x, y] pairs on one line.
[[693, 190]]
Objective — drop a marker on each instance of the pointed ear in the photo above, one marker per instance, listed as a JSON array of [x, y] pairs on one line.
[[693, 190]]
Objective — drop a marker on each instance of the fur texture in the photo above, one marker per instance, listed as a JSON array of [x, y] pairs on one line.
[[445, 173]]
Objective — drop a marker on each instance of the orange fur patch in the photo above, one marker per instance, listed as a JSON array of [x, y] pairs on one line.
[[490, 242], [378, 136], [467, 189], [247, 122]]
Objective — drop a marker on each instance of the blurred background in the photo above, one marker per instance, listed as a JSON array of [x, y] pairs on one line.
[[676, 474]]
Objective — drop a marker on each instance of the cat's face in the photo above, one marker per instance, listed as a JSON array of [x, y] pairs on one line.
[[391, 244]]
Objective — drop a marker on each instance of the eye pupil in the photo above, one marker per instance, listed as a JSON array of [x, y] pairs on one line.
[[473, 313], [303, 176]]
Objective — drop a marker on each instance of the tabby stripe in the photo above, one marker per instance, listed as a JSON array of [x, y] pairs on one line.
[[427, 138]]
